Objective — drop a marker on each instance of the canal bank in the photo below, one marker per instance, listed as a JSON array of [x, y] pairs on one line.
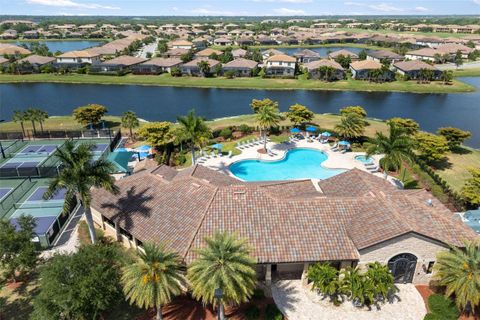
[[154, 103]]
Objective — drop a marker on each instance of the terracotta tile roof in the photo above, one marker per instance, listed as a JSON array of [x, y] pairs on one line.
[[413, 65], [7, 48], [321, 63], [424, 52], [125, 60], [384, 54], [180, 43], [342, 52], [241, 63], [282, 221], [194, 62], [365, 65], [306, 53], [207, 52], [78, 54], [164, 62], [281, 58], [36, 59]]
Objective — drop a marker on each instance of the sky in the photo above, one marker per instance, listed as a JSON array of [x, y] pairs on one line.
[[239, 7]]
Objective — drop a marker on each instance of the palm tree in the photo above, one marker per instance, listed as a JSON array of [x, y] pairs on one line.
[[446, 76], [32, 115], [396, 147], [204, 67], [40, 116], [21, 117], [382, 280], [154, 279], [459, 270], [324, 278], [78, 175], [130, 121], [195, 129], [267, 117], [224, 263], [359, 288], [351, 126]]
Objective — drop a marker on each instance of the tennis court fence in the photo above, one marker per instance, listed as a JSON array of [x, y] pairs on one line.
[[58, 134], [8, 202]]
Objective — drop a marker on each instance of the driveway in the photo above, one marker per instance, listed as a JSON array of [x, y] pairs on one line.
[[299, 303]]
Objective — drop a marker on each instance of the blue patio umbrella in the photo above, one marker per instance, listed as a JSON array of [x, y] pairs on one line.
[[144, 148], [343, 143], [295, 130], [326, 134], [311, 129], [217, 146]]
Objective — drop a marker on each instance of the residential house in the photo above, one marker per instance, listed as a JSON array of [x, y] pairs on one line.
[[239, 53], [361, 70], [192, 68], [121, 64], [11, 49], [306, 56], [205, 53], [288, 40], [314, 66], [180, 44], [156, 66], [176, 53], [413, 68], [453, 48], [423, 54], [9, 34], [266, 41], [31, 34], [335, 54], [244, 41], [348, 220], [384, 55], [33, 63], [222, 42], [280, 65], [270, 52], [242, 67], [76, 59]]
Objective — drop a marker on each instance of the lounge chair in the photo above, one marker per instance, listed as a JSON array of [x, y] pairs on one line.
[[335, 146], [344, 151], [230, 154], [213, 155]]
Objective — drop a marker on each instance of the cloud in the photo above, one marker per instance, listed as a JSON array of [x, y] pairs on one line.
[[289, 12], [212, 12], [71, 4], [384, 7], [351, 3], [285, 1], [422, 9], [476, 1]]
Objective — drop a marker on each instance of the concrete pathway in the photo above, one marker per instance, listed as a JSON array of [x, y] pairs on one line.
[[67, 241], [300, 303], [336, 160]]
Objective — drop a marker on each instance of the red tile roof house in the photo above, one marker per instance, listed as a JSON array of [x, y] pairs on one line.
[[306, 56], [381, 55], [242, 67], [75, 59], [156, 66], [413, 69], [343, 52], [361, 70], [192, 69], [118, 65], [313, 67], [34, 62], [350, 219], [280, 65]]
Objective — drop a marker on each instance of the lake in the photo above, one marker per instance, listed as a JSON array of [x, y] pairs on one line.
[[153, 103], [64, 46], [324, 51]]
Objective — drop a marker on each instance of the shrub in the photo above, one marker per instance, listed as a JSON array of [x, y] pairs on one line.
[[258, 294], [272, 312], [230, 74], [252, 312], [245, 129], [226, 133], [441, 307]]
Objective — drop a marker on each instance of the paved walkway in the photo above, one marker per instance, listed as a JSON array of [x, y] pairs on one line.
[[299, 303], [336, 160]]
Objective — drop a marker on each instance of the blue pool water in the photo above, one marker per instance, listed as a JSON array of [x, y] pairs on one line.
[[298, 164], [364, 159]]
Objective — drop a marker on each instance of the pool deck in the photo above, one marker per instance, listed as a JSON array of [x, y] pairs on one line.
[[336, 160]]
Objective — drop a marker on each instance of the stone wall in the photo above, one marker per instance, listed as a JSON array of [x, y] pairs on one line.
[[423, 248]]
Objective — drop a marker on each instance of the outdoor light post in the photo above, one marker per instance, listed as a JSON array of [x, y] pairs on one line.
[[219, 295]]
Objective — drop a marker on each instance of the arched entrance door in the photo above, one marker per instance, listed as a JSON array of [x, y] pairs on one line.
[[402, 267]]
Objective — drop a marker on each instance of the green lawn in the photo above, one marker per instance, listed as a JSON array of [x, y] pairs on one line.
[[58, 123], [456, 172], [470, 72], [244, 83]]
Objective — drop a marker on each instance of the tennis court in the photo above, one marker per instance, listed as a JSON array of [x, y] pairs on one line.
[[4, 192], [26, 161]]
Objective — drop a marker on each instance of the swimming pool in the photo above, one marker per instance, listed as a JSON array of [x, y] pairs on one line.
[[364, 159], [299, 163]]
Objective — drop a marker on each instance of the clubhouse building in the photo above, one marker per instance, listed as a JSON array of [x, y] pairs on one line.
[[350, 219]]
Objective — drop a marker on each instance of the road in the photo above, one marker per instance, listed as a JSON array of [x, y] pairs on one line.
[[151, 47], [452, 66]]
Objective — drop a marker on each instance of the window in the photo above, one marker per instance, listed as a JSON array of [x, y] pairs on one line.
[[126, 234], [280, 63], [108, 221], [430, 267]]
